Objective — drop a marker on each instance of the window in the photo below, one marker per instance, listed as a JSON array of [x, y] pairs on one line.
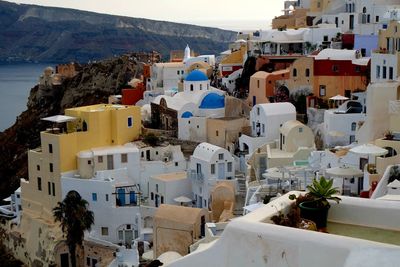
[[157, 188], [51, 167], [390, 73], [258, 111], [294, 72], [352, 139], [38, 167], [221, 156], [263, 128], [120, 235], [104, 230], [54, 189], [191, 87], [326, 38], [89, 162], [100, 159], [300, 129], [357, 69], [178, 72], [88, 261], [107, 197], [162, 199], [258, 83], [377, 19], [49, 188], [124, 158], [94, 196], [254, 125], [130, 122], [378, 72], [363, 52], [50, 148], [176, 164], [229, 166], [201, 87], [353, 126], [152, 196], [212, 168], [384, 72], [216, 133], [39, 183], [322, 90], [307, 72], [335, 68]]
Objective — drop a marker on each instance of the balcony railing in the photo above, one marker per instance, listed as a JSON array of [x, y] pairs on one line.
[[199, 177]]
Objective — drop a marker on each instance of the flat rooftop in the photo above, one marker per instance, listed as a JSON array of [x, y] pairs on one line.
[[173, 176]]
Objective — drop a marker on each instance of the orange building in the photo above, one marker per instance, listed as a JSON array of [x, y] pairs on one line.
[[263, 85]]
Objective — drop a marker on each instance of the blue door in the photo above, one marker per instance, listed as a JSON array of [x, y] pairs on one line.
[[121, 196], [132, 198]]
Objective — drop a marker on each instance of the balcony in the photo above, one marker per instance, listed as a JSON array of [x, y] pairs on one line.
[[197, 177]]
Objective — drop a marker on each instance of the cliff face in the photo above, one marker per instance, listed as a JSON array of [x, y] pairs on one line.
[[46, 34], [93, 84]]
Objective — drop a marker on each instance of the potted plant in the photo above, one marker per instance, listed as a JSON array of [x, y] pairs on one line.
[[314, 204], [388, 135]]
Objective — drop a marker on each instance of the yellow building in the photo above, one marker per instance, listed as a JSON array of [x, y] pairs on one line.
[[81, 128], [297, 19], [234, 61]]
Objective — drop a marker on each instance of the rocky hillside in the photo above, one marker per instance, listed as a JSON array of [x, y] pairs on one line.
[[108, 76], [47, 34]]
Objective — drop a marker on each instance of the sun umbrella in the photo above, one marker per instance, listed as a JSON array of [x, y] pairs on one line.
[[339, 97], [344, 172], [369, 149], [182, 199]]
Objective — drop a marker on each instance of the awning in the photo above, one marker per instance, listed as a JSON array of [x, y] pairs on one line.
[[59, 119]]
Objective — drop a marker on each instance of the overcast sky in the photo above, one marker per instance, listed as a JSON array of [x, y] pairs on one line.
[[234, 14]]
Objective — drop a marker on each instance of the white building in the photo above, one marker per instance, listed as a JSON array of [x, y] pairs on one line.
[[114, 201], [340, 125], [165, 76], [229, 82], [363, 17], [265, 119], [164, 188], [208, 165], [158, 160]]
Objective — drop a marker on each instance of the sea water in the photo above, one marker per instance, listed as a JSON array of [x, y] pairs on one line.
[[16, 81]]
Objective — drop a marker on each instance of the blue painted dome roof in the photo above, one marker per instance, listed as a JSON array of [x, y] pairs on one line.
[[196, 76], [213, 101], [187, 114]]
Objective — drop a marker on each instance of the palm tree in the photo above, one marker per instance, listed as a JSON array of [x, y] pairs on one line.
[[75, 219]]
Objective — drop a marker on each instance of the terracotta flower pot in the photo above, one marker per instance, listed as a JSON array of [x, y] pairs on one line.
[[308, 210]]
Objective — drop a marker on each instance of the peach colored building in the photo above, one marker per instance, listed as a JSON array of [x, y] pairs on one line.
[[175, 228], [263, 85], [301, 74]]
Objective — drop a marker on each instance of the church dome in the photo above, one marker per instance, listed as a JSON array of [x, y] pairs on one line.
[[196, 76], [213, 101]]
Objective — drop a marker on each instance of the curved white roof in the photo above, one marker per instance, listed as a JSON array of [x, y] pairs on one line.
[[206, 151], [276, 108], [289, 125]]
